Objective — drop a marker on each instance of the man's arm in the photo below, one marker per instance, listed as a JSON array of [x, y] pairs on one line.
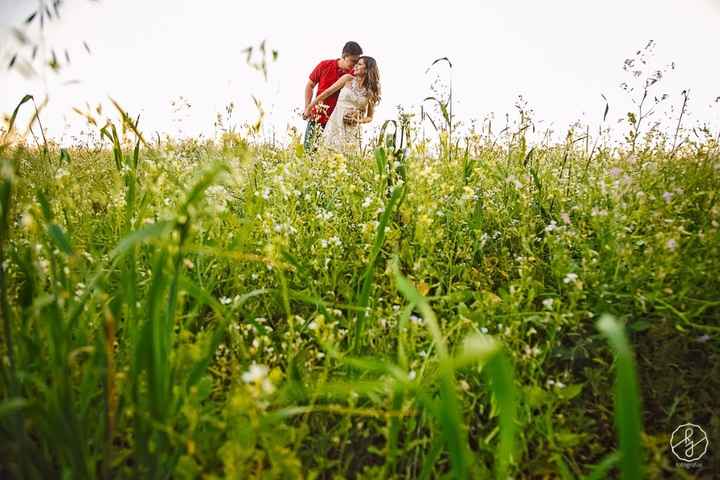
[[309, 87]]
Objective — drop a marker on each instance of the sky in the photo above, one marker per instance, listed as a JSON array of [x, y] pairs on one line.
[[156, 58]]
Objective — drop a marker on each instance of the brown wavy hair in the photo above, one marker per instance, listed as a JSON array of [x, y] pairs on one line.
[[372, 79]]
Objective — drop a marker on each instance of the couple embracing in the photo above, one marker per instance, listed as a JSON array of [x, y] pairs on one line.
[[348, 89]]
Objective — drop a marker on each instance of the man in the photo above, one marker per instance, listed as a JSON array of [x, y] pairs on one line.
[[324, 75]]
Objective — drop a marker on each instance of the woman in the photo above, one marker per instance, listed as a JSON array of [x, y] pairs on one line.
[[359, 93]]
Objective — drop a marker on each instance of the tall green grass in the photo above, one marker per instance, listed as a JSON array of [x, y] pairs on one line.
[[223, 309], [628, 420]]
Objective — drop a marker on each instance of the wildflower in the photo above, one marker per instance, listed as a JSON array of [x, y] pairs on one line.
[[257, 376], [556, 384], [225, 300], [484, 330], [27, 221], [324, 214], [570, 277], [412, 375], [565, 218], [256, 373], [667, 196], [551, 227], [484, 238], [671, 244], [531, 352], [512, 179], [548, 303], [368, 200], [60, 174]]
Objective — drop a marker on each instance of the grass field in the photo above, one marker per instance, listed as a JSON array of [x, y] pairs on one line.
[[230, 309]]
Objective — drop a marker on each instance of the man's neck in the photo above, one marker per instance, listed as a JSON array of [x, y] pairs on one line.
[[341, 64]]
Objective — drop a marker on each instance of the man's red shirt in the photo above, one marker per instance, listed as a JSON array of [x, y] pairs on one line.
[[325, 74]]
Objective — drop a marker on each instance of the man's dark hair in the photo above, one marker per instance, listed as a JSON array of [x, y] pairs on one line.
[[351, 48]]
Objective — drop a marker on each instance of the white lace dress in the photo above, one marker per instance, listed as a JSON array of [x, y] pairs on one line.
[[337, 135]]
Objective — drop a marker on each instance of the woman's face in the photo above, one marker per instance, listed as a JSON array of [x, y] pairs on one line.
[[359, 69]]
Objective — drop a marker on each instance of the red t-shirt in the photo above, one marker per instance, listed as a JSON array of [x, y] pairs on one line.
[[325, 74]]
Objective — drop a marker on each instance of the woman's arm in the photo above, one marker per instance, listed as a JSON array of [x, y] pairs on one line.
[[341, 82], [370, 111], [354, 118], [330, 90]]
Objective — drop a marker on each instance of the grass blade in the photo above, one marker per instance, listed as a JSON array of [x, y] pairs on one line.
[[449, 412], [627, 399], [369, 271]]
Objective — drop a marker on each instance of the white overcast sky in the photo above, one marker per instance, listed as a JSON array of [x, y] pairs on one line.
[[561, 55]]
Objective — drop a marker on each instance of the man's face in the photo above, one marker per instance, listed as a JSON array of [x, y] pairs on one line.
[[350, 61]]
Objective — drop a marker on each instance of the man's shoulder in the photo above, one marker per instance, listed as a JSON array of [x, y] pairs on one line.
[[327, 63]]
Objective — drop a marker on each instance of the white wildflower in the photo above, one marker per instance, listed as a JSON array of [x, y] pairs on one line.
[[256, 373], [570, 277]]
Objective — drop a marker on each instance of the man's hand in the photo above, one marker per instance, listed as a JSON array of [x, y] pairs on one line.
[[308, 113]]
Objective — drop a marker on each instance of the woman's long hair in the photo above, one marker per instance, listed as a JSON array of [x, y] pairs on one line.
[[372, 79]]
